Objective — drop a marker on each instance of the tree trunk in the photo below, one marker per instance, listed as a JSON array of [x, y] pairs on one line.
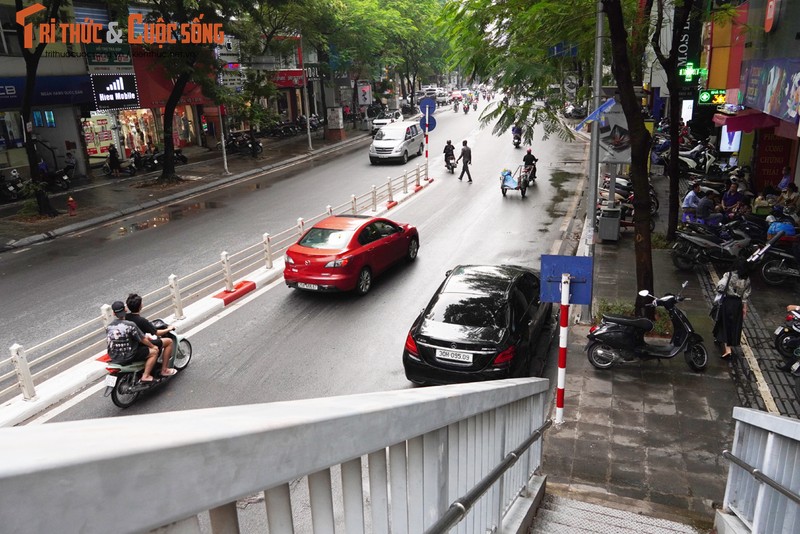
[[640, 143], [168, 173]]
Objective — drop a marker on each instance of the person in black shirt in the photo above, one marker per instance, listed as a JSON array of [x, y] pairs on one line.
[[134, 303], [466, 154], [449, 153], [529, 160]]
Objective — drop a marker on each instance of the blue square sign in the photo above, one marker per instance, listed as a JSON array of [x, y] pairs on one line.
[[579, 269]]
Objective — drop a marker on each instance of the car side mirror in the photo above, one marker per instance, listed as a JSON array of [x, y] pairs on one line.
[[447, 274]]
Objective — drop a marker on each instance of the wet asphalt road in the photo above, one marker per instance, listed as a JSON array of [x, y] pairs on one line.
[[281, 344]]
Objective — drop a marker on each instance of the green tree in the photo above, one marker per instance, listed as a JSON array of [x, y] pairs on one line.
[[52, 10]]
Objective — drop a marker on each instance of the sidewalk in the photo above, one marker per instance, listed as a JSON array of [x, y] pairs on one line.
[[104, 198], [649, 436]]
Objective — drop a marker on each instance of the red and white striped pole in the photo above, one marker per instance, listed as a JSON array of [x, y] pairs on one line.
[[562, 348], [427, 112]]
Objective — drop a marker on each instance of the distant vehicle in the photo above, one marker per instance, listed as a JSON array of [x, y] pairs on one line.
[[441, 97], [345, 252], [386, 117], [396, 141], [483, 323], [456, 95]]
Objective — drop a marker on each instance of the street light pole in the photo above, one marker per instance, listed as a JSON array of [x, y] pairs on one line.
[[305, 95]]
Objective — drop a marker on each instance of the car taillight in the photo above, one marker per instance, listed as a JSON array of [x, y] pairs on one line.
[[289, 260], [505, 356], [593, 328], [339, 262], [411, 346], [112, 370]]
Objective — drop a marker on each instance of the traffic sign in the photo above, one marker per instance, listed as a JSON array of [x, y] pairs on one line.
[[427, 104], [431, 123]]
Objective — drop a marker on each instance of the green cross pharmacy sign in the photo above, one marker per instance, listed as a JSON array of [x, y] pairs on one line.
[[689, 72]]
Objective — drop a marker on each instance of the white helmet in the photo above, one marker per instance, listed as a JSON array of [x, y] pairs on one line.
[[771, 219]]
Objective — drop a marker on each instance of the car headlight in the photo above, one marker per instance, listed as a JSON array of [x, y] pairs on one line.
[[339, 262], [397, 149], [371, 149], [289, 260]]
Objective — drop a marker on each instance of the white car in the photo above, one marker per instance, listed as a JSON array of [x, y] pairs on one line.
[[386, 117], [397, 141]]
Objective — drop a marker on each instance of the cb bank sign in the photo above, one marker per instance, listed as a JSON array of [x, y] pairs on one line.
[[90, 32]]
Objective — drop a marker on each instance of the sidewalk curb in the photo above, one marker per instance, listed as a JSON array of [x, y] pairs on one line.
[[37, 238], [82, 375]]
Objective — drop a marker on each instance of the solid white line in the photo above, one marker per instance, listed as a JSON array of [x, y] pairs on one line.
[[66, 405]]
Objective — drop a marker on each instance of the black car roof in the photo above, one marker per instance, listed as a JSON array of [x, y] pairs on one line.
[[482, 279]]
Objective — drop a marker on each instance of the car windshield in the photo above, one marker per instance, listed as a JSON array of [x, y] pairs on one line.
[[390, 135], [467, 309], [326, 238]]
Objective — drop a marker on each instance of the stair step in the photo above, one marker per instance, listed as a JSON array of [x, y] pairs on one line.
[[556, 513]]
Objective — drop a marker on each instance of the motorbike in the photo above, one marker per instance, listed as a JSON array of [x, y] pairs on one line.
[[11, 188], [787, 336], [529, 173], [122, 381], [517, 140], [127, 166], [58, 179], [475, 106], [466, 109], [621, 339], [450, 163], [455, 106], [692, 249]]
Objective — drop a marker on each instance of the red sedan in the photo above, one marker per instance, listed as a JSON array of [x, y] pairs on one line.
[[345, 252]]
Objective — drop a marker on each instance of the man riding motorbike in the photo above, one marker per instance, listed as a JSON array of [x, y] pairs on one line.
[[529, 160], [449, 155]]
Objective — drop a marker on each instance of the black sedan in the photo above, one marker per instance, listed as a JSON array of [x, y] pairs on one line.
[[483, 323]]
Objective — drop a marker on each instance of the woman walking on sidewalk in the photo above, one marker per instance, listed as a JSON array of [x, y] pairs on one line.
[[735, 289]]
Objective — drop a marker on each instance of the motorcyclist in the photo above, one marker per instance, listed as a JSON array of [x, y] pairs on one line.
[[159, 338], [529, 160], [449, 152], [455, 106], [516, 130]]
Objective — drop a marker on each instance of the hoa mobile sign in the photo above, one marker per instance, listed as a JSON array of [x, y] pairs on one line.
[[89, 32]]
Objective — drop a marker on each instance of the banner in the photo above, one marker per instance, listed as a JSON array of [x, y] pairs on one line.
[[772, 86], [615, 140]]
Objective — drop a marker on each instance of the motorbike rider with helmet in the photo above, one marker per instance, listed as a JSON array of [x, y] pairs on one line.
[[529, 161], [449, 154]]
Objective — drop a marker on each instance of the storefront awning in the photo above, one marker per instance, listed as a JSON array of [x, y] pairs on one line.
[[746, 120]]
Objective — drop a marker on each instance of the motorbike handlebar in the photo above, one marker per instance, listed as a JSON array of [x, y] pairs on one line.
[[756, 256]]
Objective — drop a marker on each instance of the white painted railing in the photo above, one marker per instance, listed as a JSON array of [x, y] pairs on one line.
[[763, 488], [377, 462], [28, 366]]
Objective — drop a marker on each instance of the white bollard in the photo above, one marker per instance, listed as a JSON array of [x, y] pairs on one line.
[[329, 209], [391, 193], [300, 225], [416, 180], [405, 182], [354, 204], [268, 250], [226, 271], [23, 370], [374, 198], [177, 304]]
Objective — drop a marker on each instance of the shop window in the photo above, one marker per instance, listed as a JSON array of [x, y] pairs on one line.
[[9, 46], [37, 119], [49, 119]]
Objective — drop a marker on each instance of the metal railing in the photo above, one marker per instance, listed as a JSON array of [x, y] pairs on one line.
[[390, 460], [28, 366], [764, 480]]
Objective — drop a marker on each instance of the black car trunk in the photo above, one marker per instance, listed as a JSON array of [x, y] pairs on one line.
[[458, 347]]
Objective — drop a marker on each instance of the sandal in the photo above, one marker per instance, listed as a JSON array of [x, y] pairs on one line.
[[169, 372], [726, 355]]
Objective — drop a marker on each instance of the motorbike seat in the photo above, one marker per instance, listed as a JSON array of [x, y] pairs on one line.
[[641, 323]]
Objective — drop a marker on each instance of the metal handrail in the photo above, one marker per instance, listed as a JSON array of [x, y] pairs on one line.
[[458, 510], [761, 477]]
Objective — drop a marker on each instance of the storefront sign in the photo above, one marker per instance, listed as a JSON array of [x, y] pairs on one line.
[[714, 97], [288, 78], [689, 45], [772, 86], [115, 91], [773, 154], [48, 91], [109, 58], [772, 15]]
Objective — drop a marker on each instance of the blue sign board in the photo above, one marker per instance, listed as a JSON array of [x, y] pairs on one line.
[[579, 269], [48, 91], [431, 123], [427, 104]]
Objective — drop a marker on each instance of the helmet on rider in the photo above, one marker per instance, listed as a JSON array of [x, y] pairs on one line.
[[529, 151]]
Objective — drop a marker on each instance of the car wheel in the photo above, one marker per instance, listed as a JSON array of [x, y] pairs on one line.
[[421, 149], [364, 282], [413, 249], [405, 156]]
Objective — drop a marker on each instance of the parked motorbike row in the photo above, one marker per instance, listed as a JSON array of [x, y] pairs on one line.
[[144, 162], [242, 143], [14, 187]]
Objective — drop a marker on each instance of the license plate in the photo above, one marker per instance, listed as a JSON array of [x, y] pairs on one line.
[[111, 381], [454, 356], [302, 285], [778, 330]]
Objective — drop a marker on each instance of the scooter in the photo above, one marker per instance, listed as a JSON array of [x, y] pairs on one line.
[[787, 336], [466, 109], [450, 163], [691, 249], [58, 179], [621, 339], [529, 173], [11, 188], [475, 106], [517, 140], [455, 106], [122, 381], [127, 166]]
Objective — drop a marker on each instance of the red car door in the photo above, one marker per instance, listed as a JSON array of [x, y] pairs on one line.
[[369, 253], [392, 243]]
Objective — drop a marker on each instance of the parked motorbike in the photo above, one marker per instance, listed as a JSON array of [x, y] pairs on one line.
[[621, 339], [11, 188], [127, 166], [122, 381], [692, 249], [58, 179], [787, 336], [450, 163]]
